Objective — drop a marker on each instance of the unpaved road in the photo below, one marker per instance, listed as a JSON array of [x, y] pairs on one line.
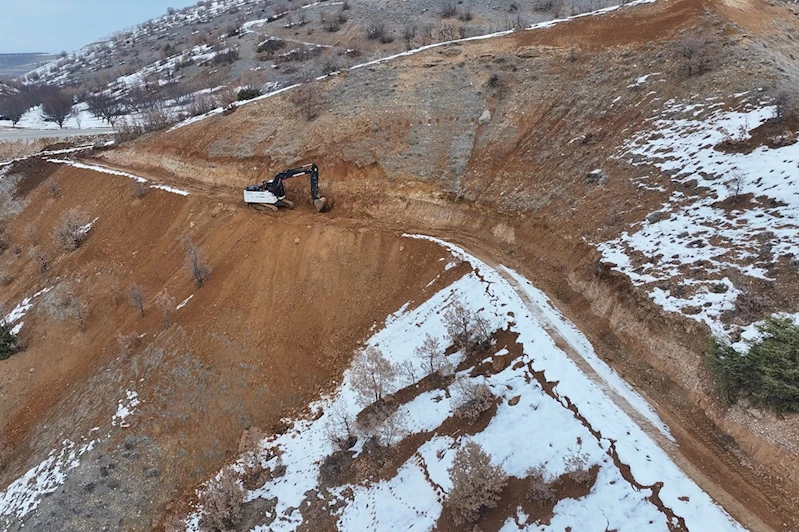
[[31, 134]]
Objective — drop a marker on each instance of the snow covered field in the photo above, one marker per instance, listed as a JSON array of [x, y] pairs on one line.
[[83, 119], [532, 426], [694, 242]]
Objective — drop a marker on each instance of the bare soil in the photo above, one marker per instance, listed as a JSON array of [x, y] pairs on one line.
[[401, 149]]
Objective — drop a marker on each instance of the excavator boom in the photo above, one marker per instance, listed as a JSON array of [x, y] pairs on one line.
[[272, 193]]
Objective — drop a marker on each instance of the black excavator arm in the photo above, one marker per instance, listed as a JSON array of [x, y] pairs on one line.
[[275, 186]]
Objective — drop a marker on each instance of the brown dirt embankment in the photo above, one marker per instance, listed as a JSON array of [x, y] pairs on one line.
[[402, 145], [289, 300]]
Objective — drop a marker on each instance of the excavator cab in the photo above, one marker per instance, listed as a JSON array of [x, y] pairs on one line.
[[271, 195]]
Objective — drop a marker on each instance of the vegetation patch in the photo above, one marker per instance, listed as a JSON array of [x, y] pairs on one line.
[[768, 375]]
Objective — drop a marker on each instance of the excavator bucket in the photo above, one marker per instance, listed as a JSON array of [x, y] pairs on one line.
[[322, 204]]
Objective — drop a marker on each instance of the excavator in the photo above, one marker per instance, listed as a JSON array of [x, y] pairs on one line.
[[271, 195]]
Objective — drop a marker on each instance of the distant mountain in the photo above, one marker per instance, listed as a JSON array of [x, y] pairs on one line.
[[13, 65]]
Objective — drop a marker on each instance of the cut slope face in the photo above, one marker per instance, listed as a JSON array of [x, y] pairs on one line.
[[149, 410], [607, 471]]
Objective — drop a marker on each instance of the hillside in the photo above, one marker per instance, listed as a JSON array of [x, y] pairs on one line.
[[600, 196], [13, 65]]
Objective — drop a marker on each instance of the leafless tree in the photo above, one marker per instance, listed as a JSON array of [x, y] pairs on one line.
[[167, 306], [57, 106], [221, 503], [340, 427], [432, 356], [392, 429], [14, 107], [73, 229], [136, 297], [196, 263], [472, 398], [372, 375], [467, 330], [785, 102], [698, 53], [736, 184], [62, 304], [308, 99], [476, 484], [105, 107]]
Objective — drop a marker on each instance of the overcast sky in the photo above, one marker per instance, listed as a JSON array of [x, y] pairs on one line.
[[55, 25]]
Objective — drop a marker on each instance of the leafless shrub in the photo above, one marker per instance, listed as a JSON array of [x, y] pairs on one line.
[[736, 184], [128, 129], [308, 99], [577, 466], [201, 105], [41, 259], [62, 304], [157, 120], [476, 484], [73, 229], [167, 306], [54, 189], [116, 293], [450, 30], [408, 35], [433, 358], [4, 243], [80, 311], [340, 428], [449, 10], [466, 14], [227, 98], [128, 342], [472, 398], [392, 429], [468, 331], [698, 53], [196, 263], [139, 190], [136, 297], [31, 233], [221, 503], [538, 489], [376, 31], [372, 375], [387, 37], [5, 278], [786, 102]]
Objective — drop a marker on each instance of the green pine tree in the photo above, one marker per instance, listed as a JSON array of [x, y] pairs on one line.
[[768, 375]]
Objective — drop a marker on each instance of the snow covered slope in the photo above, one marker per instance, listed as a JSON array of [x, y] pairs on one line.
[[549, 414], [734, 213]]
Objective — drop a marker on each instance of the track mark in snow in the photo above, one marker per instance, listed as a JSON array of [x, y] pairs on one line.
[[653, 426]]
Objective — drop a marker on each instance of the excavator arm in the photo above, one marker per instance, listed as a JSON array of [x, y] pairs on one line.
[[276, 188]]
